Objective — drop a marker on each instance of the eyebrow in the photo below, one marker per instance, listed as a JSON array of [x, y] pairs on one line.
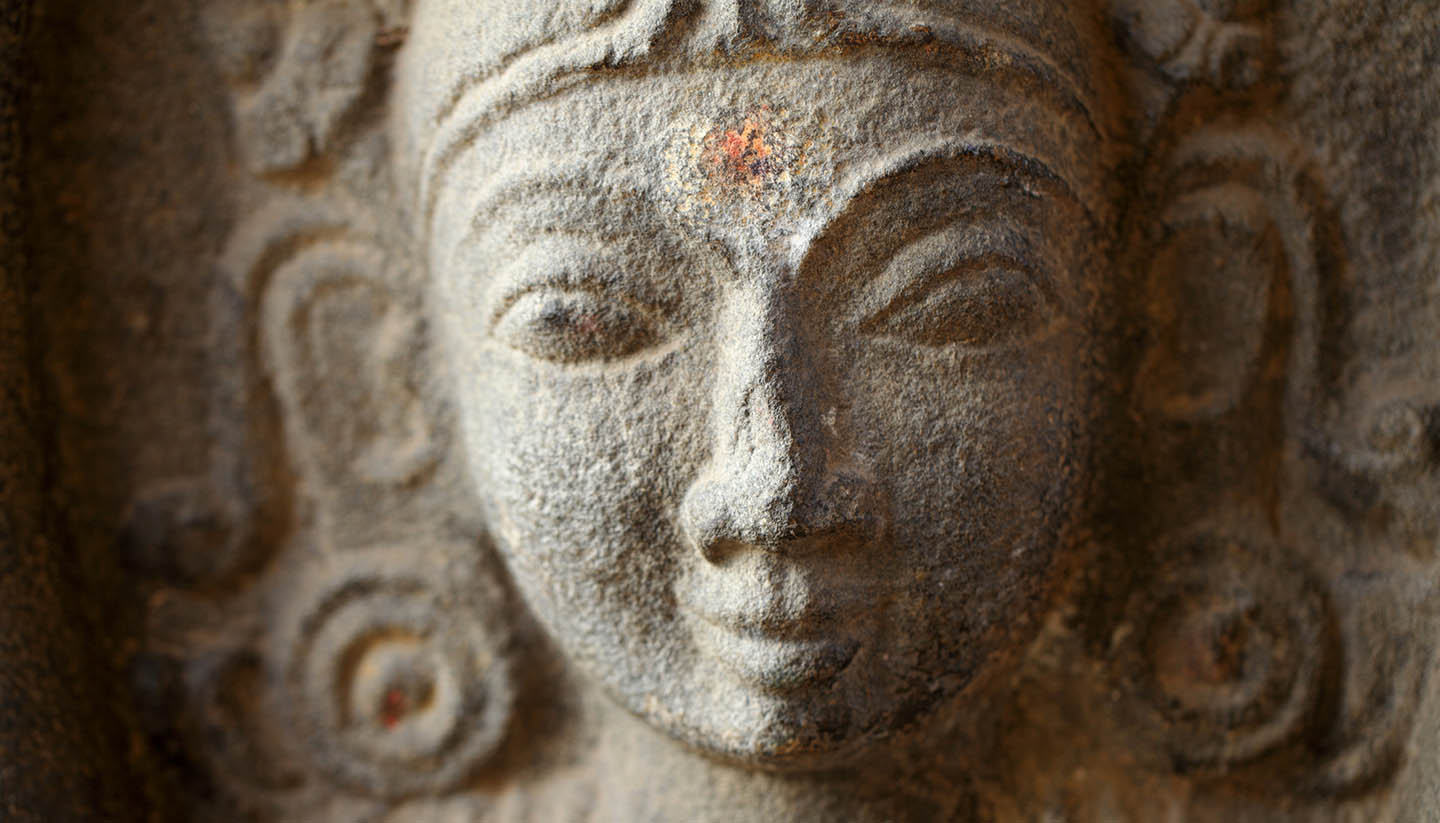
[[995, 155], [512, 190]]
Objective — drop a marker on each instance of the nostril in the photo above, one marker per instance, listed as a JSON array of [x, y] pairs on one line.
[[722, 516], [722, 551], [703, 516], [843, 508]]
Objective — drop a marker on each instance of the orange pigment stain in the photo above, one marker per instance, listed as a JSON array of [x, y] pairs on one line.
[[394, 708], [741, 156], [588, 324]]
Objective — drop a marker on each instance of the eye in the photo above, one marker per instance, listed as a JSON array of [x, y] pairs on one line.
[[975, 302], [573, 326]]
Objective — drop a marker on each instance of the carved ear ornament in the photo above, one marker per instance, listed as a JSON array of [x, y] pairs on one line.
[[396, 668], [1228, 651], [1223, 43], [298, 69], [1240, 663], [1245, 225], [387, 670]]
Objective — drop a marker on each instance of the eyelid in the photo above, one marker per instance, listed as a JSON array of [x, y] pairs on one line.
[[563, 285], [916, 289], [574, 327], [579, 281], [909, 272], [551, 265]]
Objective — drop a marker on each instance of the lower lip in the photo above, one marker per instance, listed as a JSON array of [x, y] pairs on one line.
[[774, 664]]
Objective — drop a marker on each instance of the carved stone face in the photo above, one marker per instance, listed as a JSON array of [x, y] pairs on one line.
[[777, 409]]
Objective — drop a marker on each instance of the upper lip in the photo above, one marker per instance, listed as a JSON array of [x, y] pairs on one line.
[[769, 596]]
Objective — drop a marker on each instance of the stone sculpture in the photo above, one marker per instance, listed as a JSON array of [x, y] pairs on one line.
[[771, 410]]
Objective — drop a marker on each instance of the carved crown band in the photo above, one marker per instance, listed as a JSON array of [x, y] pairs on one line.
[[495, 59]]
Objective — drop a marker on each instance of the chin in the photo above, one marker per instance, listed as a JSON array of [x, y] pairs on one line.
[[802, 730], [793, 739]]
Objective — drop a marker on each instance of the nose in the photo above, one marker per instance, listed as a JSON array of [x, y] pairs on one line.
[[771, 481]]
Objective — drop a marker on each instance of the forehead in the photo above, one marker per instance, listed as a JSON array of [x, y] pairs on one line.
[[760, 138]]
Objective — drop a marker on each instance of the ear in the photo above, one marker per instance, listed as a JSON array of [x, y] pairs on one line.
[[340, 354], [1221, 264], [343, 342], [316, 407], [343, 348]]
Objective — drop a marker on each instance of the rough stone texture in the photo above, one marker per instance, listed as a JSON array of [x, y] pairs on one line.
[[66, 751], [682, 410]]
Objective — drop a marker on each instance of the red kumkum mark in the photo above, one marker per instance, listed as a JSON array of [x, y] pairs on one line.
[[394, 709], [588, 324], [742, 155]]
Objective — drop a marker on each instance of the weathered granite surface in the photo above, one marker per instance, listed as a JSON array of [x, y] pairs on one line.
[[676, 410]]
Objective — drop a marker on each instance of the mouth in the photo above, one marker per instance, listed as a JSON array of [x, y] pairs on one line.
[[774, 664], [773, 625]]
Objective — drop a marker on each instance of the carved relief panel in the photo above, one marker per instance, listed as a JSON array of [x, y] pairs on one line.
[[774, 410]]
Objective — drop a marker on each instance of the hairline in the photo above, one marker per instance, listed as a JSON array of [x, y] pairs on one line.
[[490, 99]]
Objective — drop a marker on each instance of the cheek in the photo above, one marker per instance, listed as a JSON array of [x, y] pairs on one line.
[[580, 467], [978, 452]]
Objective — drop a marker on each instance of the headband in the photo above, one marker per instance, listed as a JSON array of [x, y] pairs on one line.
[[469, 62]]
